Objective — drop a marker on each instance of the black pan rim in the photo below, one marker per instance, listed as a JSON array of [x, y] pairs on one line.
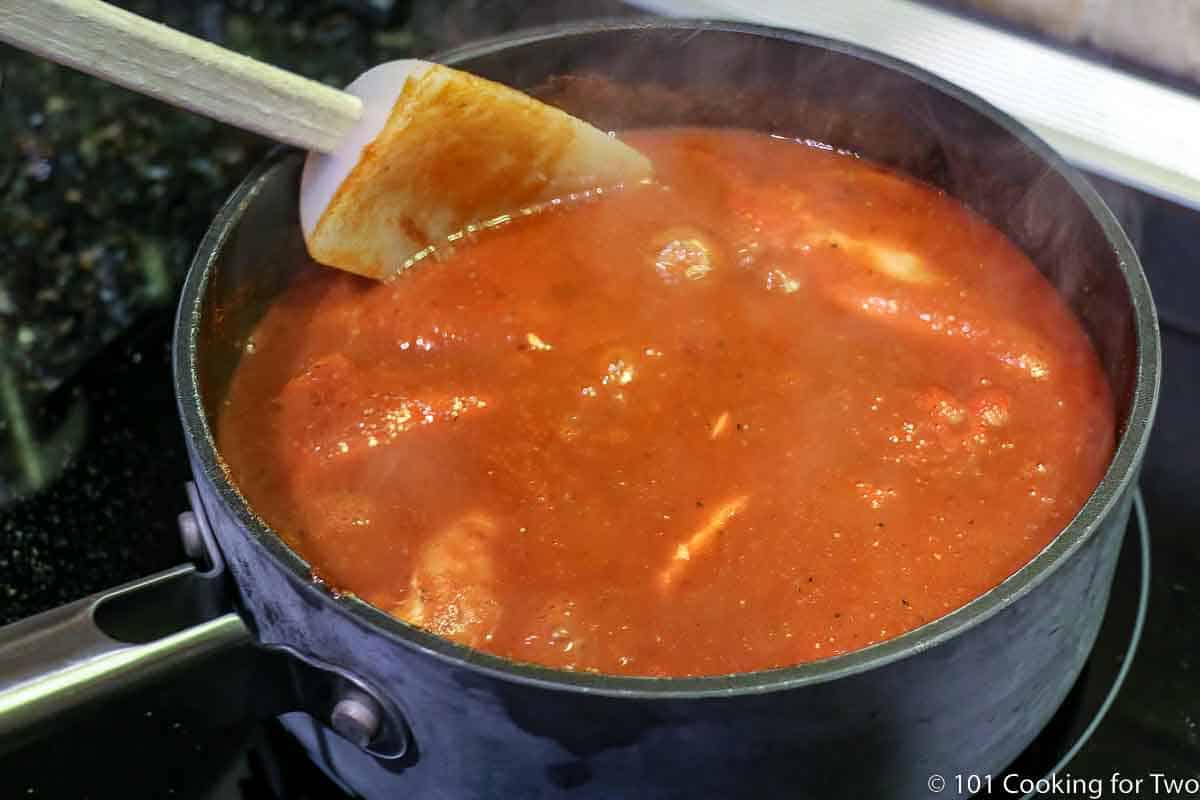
[[1114, 488]]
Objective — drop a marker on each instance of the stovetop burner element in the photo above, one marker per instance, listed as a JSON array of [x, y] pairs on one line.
[[1103, 676]]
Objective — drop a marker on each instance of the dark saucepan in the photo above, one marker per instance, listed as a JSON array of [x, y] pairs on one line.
[[963, 694]]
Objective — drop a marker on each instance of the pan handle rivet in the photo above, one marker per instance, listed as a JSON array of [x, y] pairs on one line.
[[189, 534], [356, 718]]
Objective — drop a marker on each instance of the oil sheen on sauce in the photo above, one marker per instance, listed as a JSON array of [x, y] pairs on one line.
[[778, 405]]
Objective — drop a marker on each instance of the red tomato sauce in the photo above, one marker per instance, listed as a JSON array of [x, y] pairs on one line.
[[778, 405]]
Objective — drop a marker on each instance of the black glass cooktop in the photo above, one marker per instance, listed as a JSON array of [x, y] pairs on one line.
[[98, 225]]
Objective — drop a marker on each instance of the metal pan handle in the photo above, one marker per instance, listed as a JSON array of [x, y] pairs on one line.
[[64, 658], [121, 638]]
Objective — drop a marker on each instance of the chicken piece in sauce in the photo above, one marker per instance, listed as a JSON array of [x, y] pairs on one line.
[[778, 405]]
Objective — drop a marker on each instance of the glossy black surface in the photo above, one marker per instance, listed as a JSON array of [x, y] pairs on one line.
[[110, 516]]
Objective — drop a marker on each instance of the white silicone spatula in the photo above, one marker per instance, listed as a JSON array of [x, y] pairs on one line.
[[409, 154]]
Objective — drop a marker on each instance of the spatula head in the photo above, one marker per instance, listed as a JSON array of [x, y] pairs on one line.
[[438, 150]]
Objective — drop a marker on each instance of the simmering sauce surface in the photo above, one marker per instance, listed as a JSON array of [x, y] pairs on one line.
[[778, 405]]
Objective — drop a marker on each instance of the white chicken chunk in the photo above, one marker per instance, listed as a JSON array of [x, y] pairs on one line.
[[901, 265], [683, 254], [699, 541], [452, 587]]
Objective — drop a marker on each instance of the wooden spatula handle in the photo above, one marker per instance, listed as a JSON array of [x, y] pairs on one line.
[[153, 59]]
